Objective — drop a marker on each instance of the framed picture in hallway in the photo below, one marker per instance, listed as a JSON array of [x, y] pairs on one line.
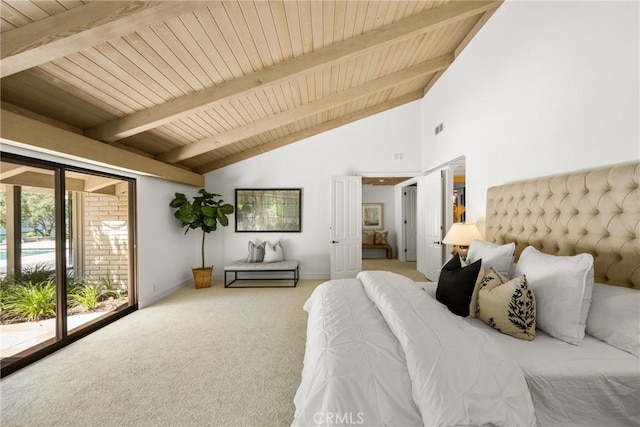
[[372, 216]]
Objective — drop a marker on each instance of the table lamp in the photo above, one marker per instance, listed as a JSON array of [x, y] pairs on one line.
[[460, 236]]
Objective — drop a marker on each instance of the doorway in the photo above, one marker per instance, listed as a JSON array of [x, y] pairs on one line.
[[441, 201]]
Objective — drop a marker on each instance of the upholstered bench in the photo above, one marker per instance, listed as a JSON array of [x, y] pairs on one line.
[[242, 266], [386, 247]]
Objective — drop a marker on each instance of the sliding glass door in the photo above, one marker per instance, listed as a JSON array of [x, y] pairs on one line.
[[67, 264]]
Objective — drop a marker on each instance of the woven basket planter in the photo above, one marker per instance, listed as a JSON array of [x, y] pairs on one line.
[[202, 277]]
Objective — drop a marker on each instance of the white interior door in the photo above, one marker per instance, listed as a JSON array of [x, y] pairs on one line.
[[345, 237], [410, 223], [433, 221]]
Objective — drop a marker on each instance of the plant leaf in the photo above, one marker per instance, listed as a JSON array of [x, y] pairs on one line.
[[227, 209], [208, 211], [179, 200]]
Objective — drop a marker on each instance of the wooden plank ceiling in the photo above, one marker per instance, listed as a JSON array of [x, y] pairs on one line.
[[205, 84]]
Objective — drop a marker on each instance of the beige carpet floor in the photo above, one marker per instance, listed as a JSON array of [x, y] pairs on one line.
[[200, 357], [405, 268]]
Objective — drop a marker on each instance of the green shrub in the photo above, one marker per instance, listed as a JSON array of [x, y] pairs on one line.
[[31, 301], [89, 295], [36, 273], [31, 294], [5, 284], [112, 290]]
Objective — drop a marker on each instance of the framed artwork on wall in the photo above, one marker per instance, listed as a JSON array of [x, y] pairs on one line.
[[269, 210], [372, 216]]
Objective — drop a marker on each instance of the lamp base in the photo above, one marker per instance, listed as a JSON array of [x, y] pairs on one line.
[[462, 251]]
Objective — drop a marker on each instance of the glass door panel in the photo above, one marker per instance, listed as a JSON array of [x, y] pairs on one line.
[[98, 278], [29, 253]]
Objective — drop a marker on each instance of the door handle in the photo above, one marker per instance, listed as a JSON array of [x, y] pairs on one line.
[[334, 241], [436, 243]]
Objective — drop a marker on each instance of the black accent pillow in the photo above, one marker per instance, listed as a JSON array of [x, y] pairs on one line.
[[456, 283]]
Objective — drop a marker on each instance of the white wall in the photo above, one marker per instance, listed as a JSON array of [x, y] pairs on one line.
[[544, 88], [364, 146], [382, 194], [165, 253]]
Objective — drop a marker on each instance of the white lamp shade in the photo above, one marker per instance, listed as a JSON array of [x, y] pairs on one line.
[[461, 234]]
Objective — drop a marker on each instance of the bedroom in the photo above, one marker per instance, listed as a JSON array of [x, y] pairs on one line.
[[520, 102]]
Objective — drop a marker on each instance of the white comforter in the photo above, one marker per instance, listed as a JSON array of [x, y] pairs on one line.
[[380, 351]]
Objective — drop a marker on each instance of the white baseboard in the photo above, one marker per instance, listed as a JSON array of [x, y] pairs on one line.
[[316, 276], [160, 295]]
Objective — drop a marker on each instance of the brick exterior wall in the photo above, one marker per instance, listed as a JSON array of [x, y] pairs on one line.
[[106, 245]]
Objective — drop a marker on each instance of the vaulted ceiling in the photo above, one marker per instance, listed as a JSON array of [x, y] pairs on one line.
[[201, 85]]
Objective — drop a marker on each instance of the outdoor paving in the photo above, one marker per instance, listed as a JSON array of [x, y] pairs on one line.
[[17, 337]]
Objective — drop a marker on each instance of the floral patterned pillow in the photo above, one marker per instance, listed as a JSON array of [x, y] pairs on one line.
[[380, 238], [508, 306]]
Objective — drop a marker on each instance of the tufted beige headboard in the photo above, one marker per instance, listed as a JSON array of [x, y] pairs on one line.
[[595, 211]]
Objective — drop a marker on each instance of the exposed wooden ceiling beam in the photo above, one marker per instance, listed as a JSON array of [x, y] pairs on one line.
[[306, 110], [39, 117], [121, 188], [109, 190], [42, 180], [289, 139], [211, 97], [433, 81], [96, 183], [7, 170], [79, 28], [26, 176], [31, 133]]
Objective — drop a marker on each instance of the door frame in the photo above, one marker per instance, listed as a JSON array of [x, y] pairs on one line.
[[408, 215]]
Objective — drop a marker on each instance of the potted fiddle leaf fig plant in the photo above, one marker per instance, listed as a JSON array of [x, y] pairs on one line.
[[206, 212]]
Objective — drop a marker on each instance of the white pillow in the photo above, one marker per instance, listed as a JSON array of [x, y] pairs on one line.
[[614, 317], [500, 257], [562, 286], [273, 253]]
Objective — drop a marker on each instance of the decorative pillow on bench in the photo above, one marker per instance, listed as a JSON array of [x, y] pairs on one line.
[[367, 238], [273, 253], [256, 252], [380, 238]]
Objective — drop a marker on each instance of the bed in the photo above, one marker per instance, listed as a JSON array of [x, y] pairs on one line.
[[384, 350]]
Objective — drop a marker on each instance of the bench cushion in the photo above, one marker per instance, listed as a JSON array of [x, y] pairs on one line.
[[241, 265]]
